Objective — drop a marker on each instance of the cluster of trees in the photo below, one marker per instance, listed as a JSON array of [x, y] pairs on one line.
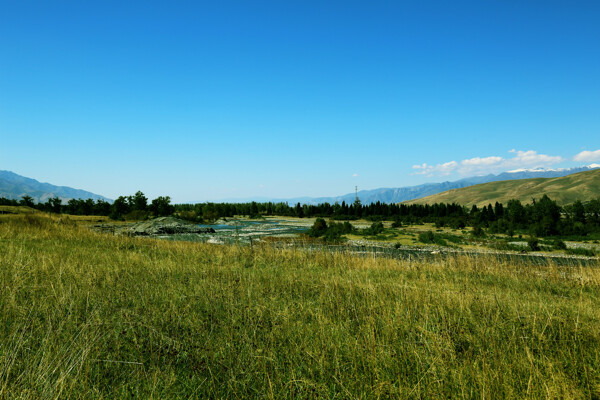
[[137, 207], [374, 211], [331, 232], [543, 217], [124, 207]]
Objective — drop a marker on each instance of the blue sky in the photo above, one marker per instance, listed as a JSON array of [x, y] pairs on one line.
[[212, 100]]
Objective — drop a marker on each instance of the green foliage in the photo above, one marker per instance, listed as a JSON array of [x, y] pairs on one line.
[[580, 251], [478, 232], [427, 237], [376, 228], [54, 205], [318, 229], [330, 233], [533, 244], [26, 201], [161, 206], [559, 245], [138, 202]]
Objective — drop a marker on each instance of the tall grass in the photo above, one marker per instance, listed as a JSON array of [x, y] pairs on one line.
[[85, 315]]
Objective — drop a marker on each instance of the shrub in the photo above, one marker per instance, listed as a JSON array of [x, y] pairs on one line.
[[533, 243], [318, 229], [559, 245], [426, 237], [478, 231], [375, 229]]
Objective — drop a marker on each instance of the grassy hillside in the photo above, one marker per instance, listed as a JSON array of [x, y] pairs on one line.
[[567, 189], [84, 315], [18, 210]]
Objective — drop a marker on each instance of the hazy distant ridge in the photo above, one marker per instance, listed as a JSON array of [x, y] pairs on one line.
[[14, 186]]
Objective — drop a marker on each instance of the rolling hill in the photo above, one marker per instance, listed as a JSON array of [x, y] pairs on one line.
[[14, 187], [567, 189]]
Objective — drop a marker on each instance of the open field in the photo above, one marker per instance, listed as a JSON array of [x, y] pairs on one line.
[[85, 315]]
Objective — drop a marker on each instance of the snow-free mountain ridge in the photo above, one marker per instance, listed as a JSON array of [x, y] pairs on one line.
[[14, 187]]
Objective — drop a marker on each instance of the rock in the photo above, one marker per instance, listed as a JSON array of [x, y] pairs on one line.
[[166, 226]]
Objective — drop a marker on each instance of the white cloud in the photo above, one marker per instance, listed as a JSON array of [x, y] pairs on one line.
[[440, 169], [532, 159], [588, 156], [355, 175], [491, 164], [480, 162]]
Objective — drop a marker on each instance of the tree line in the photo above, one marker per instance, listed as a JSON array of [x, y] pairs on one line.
[[135, 207], [543, 217]]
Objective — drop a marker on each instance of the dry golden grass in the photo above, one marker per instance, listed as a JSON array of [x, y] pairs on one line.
[[85, 315]]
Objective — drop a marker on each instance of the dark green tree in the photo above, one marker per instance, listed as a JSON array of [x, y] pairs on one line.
[[318, 229], [26, 201], [54, 205], [578, 212], [139, 201], [161, 206], [119, 208]]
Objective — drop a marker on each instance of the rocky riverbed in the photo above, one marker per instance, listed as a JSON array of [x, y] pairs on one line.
[[155, 227]]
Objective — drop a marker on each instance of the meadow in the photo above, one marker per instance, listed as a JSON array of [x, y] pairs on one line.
[[90, 315]]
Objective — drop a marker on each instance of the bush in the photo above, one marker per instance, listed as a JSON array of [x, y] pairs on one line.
[[318, 229], [330, 233], [559, 245], [375, 229], [457, 224], [426, 237], [533, 243], [478, 231]]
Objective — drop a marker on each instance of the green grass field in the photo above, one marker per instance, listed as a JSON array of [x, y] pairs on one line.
[[85, 315]]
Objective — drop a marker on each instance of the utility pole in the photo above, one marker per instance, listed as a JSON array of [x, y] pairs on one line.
[[356, 193]]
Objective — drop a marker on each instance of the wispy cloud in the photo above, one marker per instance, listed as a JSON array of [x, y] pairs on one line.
[[483, 165], [588, 156], [439, 169], [355, 175]]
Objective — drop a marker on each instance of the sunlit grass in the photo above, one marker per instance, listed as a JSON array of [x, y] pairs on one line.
[[85, 315]]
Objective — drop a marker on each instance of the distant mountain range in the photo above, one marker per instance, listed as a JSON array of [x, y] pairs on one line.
[[398, 195], [14, 187], [567, 189]]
